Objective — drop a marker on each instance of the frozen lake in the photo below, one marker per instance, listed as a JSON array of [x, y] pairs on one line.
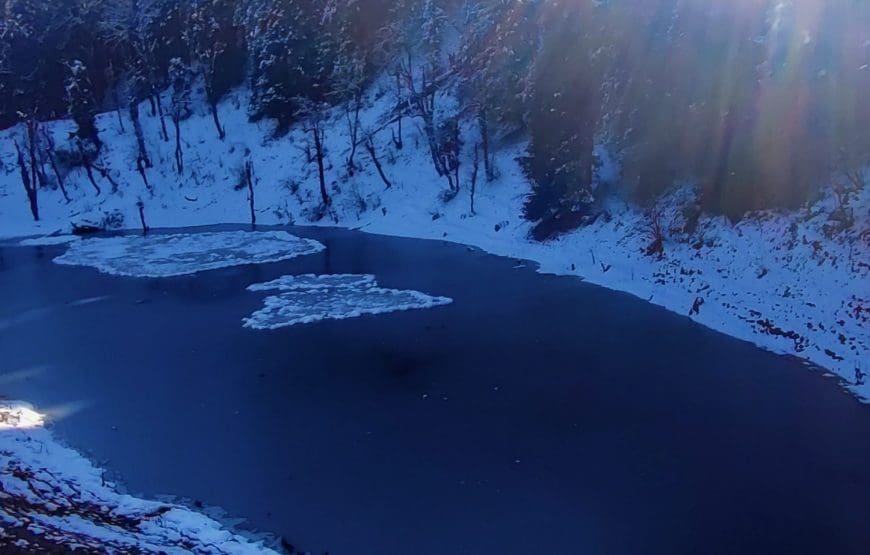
[[533, 414]]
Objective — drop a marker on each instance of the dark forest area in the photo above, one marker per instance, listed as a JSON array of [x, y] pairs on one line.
[[759, 102]]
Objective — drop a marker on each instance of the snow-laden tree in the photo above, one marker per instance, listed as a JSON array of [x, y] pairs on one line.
[[82, 108], [81, 104], [216, 45], [34, 38], [290, 56], [147, 33], [498, 45], [312, 115], [350, 68]]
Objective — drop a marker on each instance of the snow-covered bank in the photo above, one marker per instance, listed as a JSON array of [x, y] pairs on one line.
[[775, 279], [51, 498]]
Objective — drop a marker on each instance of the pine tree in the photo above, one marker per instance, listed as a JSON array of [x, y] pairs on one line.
[[291, 59]]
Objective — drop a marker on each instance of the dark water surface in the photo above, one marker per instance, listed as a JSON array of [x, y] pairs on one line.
[[535, 414]]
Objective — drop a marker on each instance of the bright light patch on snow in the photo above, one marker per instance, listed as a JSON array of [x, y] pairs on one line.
[[182, 254], [19, 416], [52, 497], [310, 298]]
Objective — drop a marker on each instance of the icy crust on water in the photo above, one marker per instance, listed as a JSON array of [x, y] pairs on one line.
[[48, 240], [182, 254], [310, 282], [311, 298], [52, 499]]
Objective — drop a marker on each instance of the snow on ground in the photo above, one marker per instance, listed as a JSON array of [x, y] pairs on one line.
[[181, 254], [311, 298], [774, 279], [51, 498]]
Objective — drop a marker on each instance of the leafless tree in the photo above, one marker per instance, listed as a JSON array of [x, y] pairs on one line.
[[370, 148], [30, 187]]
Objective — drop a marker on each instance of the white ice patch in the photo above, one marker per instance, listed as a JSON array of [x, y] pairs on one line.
[[310, 298], [176, 255], [309, 282], [48, 240], [52, 498]]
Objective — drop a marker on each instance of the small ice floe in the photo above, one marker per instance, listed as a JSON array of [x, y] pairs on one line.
[[311, 298], [182, 254], [54, 500], [310, 282], [48, 240]]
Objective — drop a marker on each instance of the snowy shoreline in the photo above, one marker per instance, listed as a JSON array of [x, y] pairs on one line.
[[51, 497]]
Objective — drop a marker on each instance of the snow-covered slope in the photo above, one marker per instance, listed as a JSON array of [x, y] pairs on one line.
[[774, 279], [52, 500]]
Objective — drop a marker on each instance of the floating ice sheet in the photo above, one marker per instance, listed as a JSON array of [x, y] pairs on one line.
[[48, 240], [310, 298], [176, 255], [310, 282]]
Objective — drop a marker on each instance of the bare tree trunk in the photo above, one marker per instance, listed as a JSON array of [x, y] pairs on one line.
[[449, 177], [397, 137], [49, 153], [179, 157], [434, 151], [118, 112], [37, 162], [484, 143], [423, 104], [29, 186], [43, 175], [141, 206], [475, 164], [309, 157], [107, 176], [370, 147], [140, 135], [160, 116], [89, 169], [249, 180], [39, 176], [140, 167], [353, 130], [217, 122], [319, 156]]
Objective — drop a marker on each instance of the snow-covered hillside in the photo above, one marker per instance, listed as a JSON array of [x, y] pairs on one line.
[[775, 279]]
